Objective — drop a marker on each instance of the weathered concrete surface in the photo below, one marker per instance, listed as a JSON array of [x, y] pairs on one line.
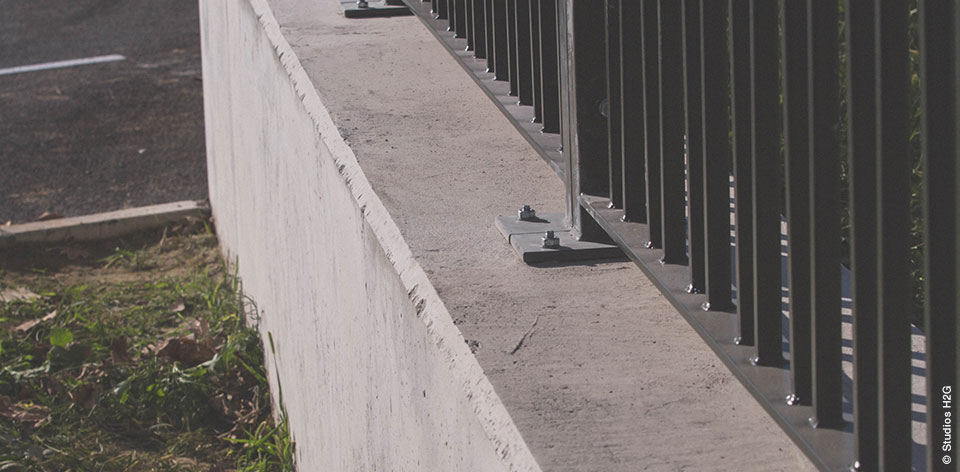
[[609, 376], [362, 352], [100, 225]]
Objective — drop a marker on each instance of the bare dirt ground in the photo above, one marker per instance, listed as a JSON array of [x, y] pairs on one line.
[[106, 136]]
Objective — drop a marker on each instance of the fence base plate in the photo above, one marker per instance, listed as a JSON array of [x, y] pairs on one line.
[[375, 9], [526, 238]]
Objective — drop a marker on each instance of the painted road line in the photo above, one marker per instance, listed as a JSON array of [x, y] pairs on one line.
[[62, 64]]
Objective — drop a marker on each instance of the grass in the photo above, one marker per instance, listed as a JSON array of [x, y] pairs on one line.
[[133, 357]]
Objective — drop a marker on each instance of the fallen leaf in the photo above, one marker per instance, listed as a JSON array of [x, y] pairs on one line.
[[30, 324], [186, 350], [200, 328], [36, 415], [49, 215], [86, 394], [118, 350], [15, 294], [178, 308]]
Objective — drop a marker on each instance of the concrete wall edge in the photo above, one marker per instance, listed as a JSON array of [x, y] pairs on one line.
[[486, 404]]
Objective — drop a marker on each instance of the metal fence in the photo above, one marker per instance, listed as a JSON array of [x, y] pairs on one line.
[[710, 140]]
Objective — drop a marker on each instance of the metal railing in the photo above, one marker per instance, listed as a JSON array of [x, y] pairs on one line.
[[664, 116]]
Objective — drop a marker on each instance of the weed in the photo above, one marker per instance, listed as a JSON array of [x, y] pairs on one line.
[[121, 368]]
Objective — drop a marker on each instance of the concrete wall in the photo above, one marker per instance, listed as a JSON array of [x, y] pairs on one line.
[[364, 356]]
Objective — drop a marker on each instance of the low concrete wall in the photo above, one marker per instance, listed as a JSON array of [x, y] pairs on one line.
[[362, 353]]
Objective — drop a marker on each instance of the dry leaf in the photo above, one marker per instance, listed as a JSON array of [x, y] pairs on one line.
[[36, 415], [186, 350], [49, 215], [30, 324], [14, 294], [86, 394], [178, 308], [118, 350]]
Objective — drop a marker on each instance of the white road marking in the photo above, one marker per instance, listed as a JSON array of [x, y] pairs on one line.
[[62, 64]]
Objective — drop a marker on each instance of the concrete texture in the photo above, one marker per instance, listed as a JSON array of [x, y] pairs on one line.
[[595, 368], [362, 352], [100, 225]]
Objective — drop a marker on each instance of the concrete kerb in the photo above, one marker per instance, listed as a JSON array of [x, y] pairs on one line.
[[101, 225], [487, 406]]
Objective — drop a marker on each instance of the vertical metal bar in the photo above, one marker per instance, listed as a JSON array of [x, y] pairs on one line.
[[440, 8], [670, 78], [580, 28], [716, 154], [590, 133], [631, 112], [765, 117], [613, 99], [549, 72], [862, 173], [488, 35], [512, 46], [740, 77], [535, 61], [468, 30], [693, 106], [651, 119], [460, 18], [796, 155], [479, 29], [523, 58], [893, 237], [938, 56], [824, 213], [501, 55]]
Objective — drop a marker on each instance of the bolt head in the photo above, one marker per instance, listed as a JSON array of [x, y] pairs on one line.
[[526, 213], [550, 240]]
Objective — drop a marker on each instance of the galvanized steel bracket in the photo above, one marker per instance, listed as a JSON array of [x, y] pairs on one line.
[[530, 240]]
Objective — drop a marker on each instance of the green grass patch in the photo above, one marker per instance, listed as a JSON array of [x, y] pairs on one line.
[[132, 356]]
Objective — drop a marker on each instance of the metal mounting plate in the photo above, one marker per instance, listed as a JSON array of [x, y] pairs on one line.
[[375, 9], [526, 238]]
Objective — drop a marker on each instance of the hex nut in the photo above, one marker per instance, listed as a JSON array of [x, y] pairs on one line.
[[527, 213], [550, 240]]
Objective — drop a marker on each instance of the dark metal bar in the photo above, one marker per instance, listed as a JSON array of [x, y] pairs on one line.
[[740, 96], [631, 112], [614, 136], [501, 55], [716, 154], [765, 117], [589, 134], [488, 35], [670, 77], [479, 29], [796, 147], [693, 106], [440, 8], [512, 46], [893, 237], [459, 18], [861, 152], [549, 73], [523, 56], [535, 61], [468, 29], [651, 119], [938, 58], [824, 214]]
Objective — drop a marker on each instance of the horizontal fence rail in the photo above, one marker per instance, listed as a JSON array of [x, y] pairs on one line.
[[786, 173]]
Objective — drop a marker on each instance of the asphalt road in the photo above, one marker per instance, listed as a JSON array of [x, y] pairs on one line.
[[105, 136]]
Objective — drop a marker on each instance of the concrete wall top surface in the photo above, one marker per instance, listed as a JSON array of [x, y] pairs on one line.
[[609, 376]]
